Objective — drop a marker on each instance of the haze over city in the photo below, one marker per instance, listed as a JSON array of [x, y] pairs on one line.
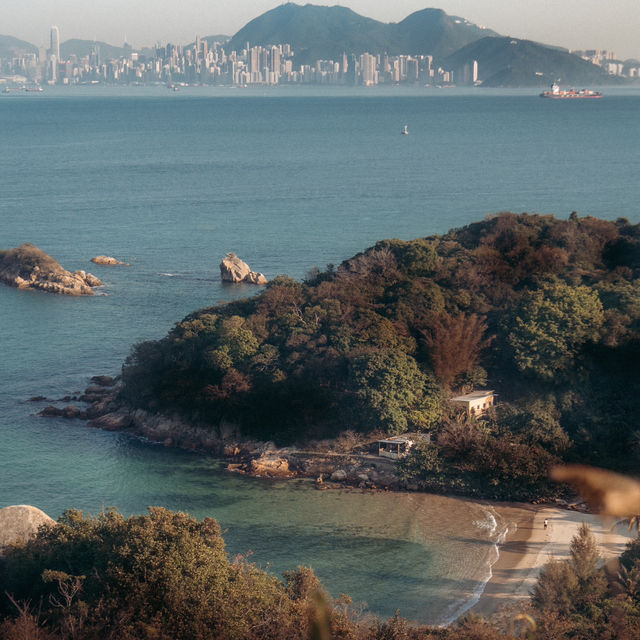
[[576, 24]]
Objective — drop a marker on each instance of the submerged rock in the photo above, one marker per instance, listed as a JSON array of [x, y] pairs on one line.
[[20, 523], [233, 269], [27, 267]]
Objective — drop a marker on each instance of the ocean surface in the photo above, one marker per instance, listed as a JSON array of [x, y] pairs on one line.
[[287, 179]]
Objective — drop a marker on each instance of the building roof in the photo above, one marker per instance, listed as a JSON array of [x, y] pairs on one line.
[[474, 395], [396, 439]]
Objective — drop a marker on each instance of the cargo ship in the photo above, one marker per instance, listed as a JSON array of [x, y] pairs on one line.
[[559, 94]]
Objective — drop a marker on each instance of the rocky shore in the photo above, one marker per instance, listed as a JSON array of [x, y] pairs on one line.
[[27, 267], [100, 407]]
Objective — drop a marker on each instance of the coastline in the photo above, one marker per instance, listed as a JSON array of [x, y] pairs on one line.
[[529, 546]]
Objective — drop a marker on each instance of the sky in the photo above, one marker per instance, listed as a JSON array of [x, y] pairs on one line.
[[575, 24]]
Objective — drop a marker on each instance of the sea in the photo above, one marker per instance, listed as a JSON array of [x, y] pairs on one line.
[[289, 179]]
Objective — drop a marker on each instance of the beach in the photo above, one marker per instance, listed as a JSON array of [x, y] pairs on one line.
[[529, 546]]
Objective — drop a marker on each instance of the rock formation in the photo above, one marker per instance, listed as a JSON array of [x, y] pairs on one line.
[[232, 269], [28, 267], [109, 261], [20, 523]]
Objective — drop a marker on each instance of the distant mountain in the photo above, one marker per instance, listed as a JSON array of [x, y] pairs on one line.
[[432, 31], [211, 40], [11, 47], [82, 48], [509, 62], [317, 32]]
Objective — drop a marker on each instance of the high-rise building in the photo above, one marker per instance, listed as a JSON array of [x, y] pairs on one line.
[[368, 71], [54, 49]]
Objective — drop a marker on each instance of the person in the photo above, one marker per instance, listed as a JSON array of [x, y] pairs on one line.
[[546, 523]]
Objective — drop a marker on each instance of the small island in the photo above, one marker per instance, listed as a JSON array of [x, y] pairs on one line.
[[27, 267], [233, 269], [109, 261]]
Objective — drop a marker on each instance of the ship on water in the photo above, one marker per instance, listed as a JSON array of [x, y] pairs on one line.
[[560, 94]]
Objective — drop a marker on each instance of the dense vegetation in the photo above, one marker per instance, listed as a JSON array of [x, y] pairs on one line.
[[166, 576], [545, 311]]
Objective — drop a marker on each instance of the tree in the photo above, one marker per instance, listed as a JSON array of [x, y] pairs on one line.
[[391, 388], [161, 576], [551, 325], [455, 344]]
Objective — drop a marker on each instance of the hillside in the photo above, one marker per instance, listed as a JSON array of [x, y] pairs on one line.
[[11, 47], [433, 32], [83, 48], [508, 62], [317, 32], [545, 311]]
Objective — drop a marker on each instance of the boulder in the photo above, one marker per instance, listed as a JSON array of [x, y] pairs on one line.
[[27, 267], [70, 412], [111, 422], [254, 277], [108, 261], [269, 465], [339, 475], [20, 523], [233, 269], [103, 381]]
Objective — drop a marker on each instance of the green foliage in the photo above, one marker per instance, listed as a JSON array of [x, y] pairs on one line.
[[551, 324], [164, 575], [390, 387], [545, 311], [415, 258], [423, 459], [576, 589]]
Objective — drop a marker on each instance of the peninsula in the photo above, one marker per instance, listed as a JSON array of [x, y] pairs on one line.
[[545, 312]]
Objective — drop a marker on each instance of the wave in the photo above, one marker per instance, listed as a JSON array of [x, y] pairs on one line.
[[496, 533]]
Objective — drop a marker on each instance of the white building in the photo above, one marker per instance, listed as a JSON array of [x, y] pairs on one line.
[[475, 403]]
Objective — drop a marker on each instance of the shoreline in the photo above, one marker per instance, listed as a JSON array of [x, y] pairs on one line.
[[530, 546]]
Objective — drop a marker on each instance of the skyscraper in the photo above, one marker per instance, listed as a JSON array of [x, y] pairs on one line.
[[54, 49]]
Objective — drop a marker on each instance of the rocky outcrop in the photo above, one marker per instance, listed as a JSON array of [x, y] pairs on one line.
[[27, 267], [233, 269], [271, 466], [109, 261], [20, 523]]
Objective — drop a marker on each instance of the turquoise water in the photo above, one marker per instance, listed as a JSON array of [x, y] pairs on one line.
[[170, 183]]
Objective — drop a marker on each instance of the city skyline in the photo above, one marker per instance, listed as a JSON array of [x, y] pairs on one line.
[[570, 23]]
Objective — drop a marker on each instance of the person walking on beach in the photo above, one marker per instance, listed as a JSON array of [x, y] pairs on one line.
[[546, 523]]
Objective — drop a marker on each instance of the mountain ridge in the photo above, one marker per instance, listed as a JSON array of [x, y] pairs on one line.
[[320, 32]]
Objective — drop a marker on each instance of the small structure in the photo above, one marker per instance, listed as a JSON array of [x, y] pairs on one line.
[[475, 403], [395, 447]]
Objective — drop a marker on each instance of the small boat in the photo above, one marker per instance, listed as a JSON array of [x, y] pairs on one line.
[[405, 131]]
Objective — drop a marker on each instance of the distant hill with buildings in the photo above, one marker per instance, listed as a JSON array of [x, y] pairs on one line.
[[510, 62], [316, 32], [83, 48], [295, 44], [10, 47]]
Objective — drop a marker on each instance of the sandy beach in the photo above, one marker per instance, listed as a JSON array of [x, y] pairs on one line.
[[529, 546]]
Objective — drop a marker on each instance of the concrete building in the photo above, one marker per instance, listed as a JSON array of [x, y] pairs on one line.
[[475, 403]]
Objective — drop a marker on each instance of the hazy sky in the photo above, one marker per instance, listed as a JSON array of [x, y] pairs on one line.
[[593, 24]]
